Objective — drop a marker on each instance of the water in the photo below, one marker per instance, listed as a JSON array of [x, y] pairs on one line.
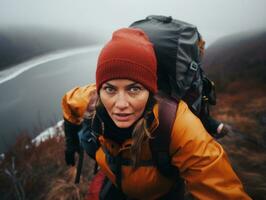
[[14, 71], [30, 97]]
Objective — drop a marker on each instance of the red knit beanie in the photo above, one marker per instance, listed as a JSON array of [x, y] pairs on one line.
[[128, 55]]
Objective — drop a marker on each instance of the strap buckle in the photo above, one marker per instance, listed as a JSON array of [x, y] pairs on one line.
[[193, 66]]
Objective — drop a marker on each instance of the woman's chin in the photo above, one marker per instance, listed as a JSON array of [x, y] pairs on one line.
[[123, 124]]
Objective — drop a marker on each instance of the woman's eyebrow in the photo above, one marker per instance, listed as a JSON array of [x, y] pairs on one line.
[[109, 84], [133, 84], [127, 86]]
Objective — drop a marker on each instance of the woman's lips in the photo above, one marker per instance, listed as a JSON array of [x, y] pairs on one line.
[[122, 116]]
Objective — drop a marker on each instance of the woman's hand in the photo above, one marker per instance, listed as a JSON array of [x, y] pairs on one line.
[[72, 141]]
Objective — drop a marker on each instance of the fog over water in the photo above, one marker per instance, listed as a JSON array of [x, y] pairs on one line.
[[213, 18], [31, 102]]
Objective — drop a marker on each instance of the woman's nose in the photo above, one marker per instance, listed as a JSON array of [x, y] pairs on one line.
[[121, 101]]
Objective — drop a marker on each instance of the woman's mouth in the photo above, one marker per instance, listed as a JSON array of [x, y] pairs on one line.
[[122, 116]]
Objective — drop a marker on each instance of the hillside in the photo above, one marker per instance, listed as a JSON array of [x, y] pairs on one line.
[[18, 44], [39, 172], [237, 64], [239, 57]]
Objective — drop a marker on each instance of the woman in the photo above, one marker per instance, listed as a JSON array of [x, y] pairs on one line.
[[122, 109]]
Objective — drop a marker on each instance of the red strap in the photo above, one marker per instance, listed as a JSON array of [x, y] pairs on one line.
[[95, 186]]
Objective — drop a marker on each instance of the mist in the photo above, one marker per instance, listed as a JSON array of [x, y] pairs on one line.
[[214, 19]]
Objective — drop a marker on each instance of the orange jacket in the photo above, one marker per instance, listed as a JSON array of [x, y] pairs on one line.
[[201, 161]]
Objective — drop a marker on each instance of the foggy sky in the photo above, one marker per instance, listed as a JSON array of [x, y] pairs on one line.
[[214, 18]]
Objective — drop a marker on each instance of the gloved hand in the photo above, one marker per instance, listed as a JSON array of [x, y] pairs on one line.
[[224, 129], [70, 156], [72, 141]]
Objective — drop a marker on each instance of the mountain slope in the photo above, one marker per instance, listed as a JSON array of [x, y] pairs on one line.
[[240, 57], [18, 44]]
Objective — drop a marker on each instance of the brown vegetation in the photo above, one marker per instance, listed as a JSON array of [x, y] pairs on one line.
[[42, 172], [244, 108]]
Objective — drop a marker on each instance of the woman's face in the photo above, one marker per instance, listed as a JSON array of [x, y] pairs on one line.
[[124, 100]]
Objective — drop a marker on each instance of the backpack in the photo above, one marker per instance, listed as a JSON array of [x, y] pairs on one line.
[[180, 74]]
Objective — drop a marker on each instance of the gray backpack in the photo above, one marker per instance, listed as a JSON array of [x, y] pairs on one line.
[[179, 71]]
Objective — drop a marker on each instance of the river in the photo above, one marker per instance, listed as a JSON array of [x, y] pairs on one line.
[[31, 100]]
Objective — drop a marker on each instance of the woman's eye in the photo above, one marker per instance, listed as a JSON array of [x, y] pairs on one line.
[[134, 89], [109, 90]]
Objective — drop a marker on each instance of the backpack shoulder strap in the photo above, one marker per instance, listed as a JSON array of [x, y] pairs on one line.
[[160, 144], [160, 147]]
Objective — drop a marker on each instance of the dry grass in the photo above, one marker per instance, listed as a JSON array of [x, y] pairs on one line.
[[64, 189], [42, 171], [245, 110]]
